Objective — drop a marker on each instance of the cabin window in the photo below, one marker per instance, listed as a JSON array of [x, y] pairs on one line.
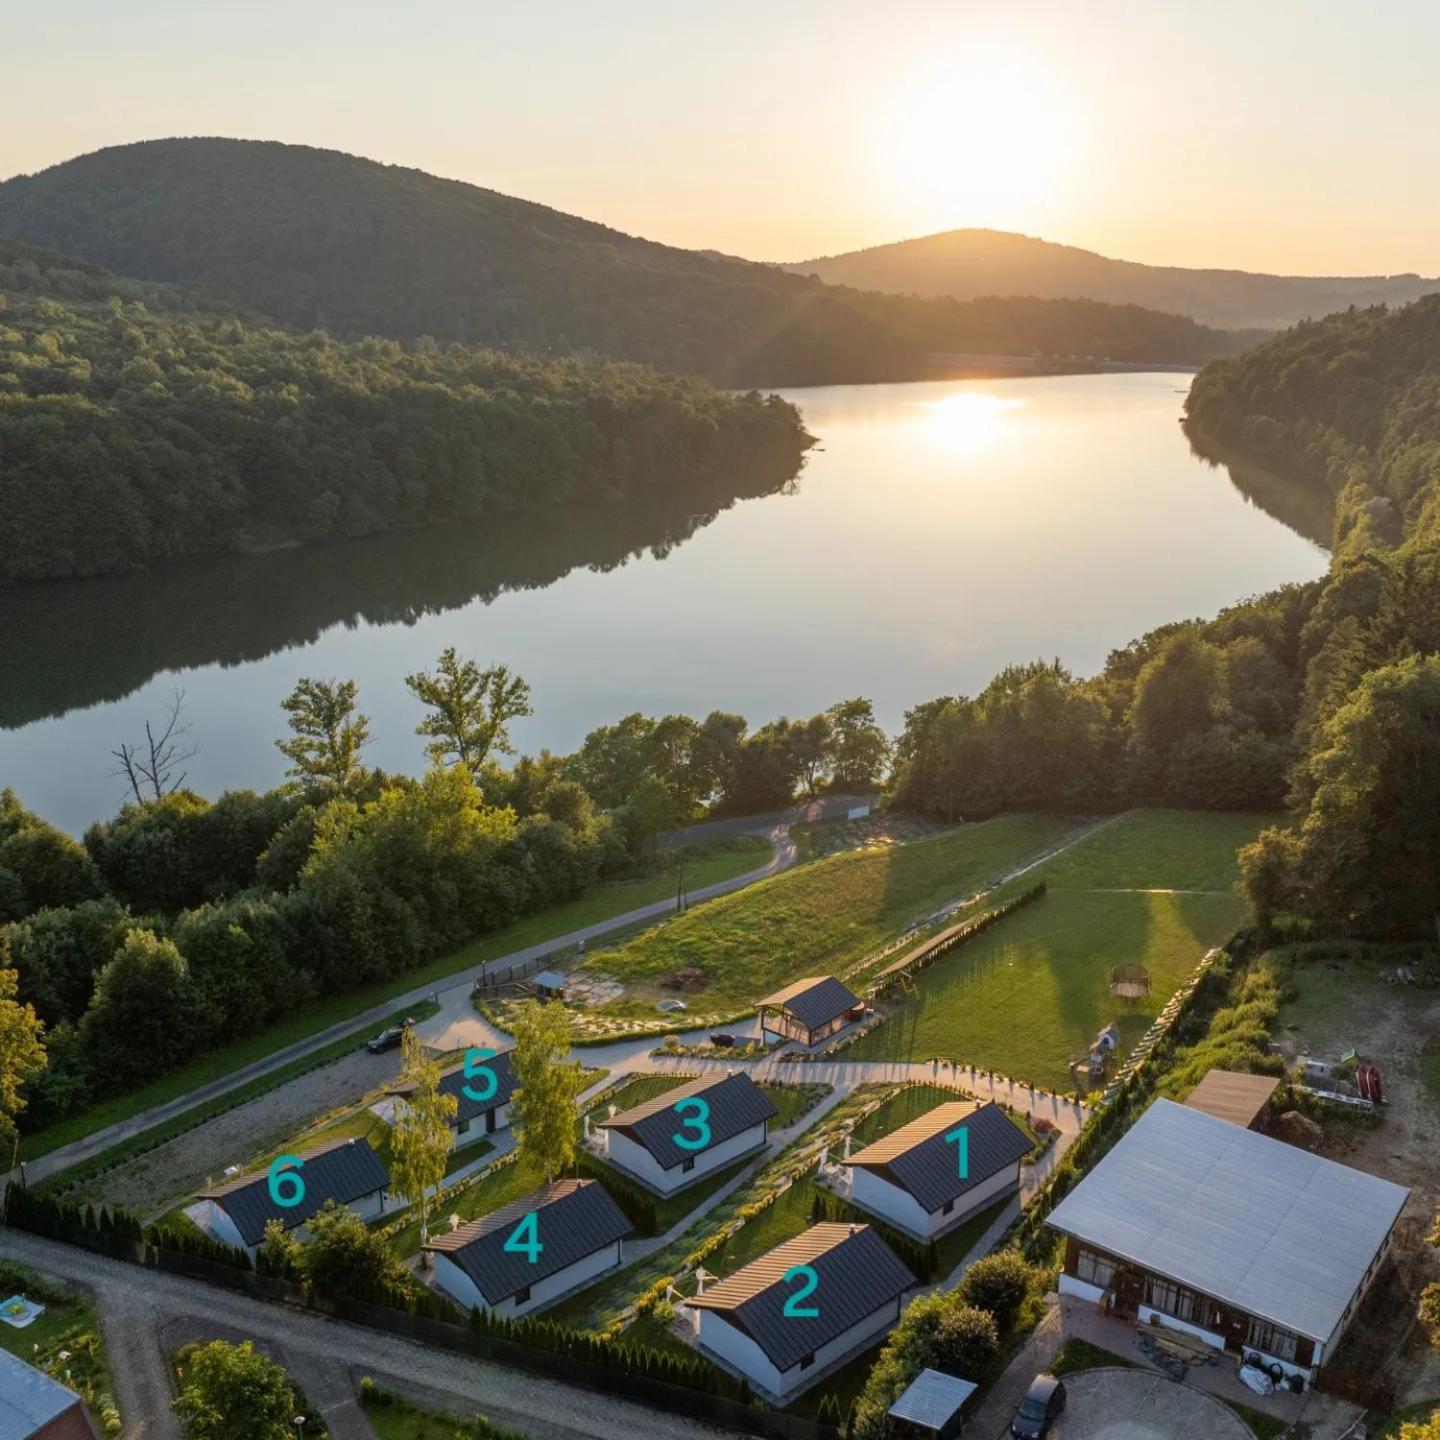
[[948, 1207], [522, 1297], [807, 1362], [1262, 1335], [688, 1165], [1174, 1300], [1096, 1269]]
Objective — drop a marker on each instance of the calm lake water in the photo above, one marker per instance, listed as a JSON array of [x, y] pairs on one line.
[[938, 532]]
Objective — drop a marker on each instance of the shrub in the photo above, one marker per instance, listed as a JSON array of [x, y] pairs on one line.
[[998, 1283]]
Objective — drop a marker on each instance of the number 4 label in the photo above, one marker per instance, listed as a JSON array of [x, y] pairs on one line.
[[525, 1239]]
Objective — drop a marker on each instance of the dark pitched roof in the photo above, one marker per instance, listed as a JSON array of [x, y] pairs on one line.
[[816, 1001], [736, 1104], [575, 1218], [453, 1082], [857, 1274], [921, 1161], [343, 1171]]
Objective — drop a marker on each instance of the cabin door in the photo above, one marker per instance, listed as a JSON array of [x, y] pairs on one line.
[[1129, 1291]]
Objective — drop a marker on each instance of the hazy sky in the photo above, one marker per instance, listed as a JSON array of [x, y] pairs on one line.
[[1299, 137]]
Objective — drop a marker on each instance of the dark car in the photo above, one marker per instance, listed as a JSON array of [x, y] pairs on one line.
[[721, 1039], [388, 1039], [1040, 1408]]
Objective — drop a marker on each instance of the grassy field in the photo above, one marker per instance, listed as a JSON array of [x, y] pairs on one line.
[[1151, 888], [705, 864], [397, 1419], [820, 918]]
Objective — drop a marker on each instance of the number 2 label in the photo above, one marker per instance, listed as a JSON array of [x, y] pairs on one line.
[[794, 1310], [699, 1122], [476, 1068]]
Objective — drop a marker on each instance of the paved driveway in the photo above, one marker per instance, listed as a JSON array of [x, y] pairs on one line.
[[1136, 1405]]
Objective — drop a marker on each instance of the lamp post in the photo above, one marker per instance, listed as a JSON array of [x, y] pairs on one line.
[[299, 1423]]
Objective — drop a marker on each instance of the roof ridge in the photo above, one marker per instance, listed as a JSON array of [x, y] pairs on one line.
[[924, 1127], [262, 1172], [551, 1193]]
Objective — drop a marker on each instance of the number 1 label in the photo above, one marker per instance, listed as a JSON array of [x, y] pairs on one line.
[[960, 1138]]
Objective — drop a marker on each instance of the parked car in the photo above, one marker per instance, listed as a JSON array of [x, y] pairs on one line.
[[722, 1040], [388, 1039], [1040, 1408]]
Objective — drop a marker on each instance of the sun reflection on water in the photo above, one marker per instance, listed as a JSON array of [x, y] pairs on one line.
[[970, 422]]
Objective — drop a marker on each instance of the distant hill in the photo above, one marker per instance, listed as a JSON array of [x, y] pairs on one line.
[[139, 426], [969, 263], [320, 239]]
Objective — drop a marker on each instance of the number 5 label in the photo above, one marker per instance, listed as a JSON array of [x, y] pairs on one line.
[[287, 1189], [476, 1068], [699, 1122]]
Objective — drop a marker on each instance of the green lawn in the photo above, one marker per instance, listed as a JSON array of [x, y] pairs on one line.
[[705, 865], [820, 918], [1027, 996], [393, 1418]]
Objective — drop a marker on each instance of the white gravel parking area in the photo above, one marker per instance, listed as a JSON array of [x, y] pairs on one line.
[[1137, 1405]]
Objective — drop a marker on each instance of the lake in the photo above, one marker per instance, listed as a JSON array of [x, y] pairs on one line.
[[938, 532]]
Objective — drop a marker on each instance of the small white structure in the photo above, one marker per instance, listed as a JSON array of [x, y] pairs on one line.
[[658, 1143], [932, 1405], [858, 1288], [1247, 1243], [577, 1229], [475, 1118], [912, 1177], [348, 1172]]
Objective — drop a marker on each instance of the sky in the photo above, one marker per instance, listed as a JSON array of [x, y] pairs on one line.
[[1292, 137]]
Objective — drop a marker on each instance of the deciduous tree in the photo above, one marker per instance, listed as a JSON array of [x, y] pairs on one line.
[[421, 1139], [470, 709], [232, 1393], [328, 733], [547, 1086]]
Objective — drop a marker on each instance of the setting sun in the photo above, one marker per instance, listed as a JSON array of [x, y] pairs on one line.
[[983, 137]]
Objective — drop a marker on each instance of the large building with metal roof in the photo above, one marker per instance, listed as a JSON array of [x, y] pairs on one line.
[[35, 1407], [667, 1148], [575, 1239], [476, 1118], [810, 1010], [1252, 1245], [913, 1177], [348, 1172], [782, 1336]]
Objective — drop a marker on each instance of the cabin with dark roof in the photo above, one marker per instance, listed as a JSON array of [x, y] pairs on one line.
[[35, 1407], [913, 1177], [810, 1010], [859, 1285], [475, 1118], [666, 1148], [576, 1237], [348, 1172]]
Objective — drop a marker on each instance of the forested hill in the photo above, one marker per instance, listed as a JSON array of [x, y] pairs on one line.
[[137, 427], [969, 263], [317, 238]]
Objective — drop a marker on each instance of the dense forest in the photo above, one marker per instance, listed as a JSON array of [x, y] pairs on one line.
[[137, 427], [319, 239], [966, 264]]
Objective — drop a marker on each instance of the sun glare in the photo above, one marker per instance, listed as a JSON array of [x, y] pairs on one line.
[[985, 137], [969, 422]]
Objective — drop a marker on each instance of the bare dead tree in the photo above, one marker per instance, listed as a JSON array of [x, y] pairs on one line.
[[149, 769]]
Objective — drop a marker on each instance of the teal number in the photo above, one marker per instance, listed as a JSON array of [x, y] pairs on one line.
[[282, 1178], [793, 1309], [525, 1239], [475, 1066], [699, 1122], [960, 1138]]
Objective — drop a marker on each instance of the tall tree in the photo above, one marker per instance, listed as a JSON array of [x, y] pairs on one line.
[[22, 1056], [151, 769], [421, 1139], [328, 733], [858, 746], [809, 743], [547, 1085], [231, 1393], [471, 709]]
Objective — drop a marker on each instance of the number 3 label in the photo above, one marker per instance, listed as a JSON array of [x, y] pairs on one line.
[[476, 1068], [794, 1310], [699, 1122], [287, 1189]]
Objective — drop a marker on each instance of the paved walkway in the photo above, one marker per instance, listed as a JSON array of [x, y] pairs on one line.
[[146, 1313]]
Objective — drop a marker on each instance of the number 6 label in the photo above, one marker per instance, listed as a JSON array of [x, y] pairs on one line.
[[794, 1310], [287, 1189]]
